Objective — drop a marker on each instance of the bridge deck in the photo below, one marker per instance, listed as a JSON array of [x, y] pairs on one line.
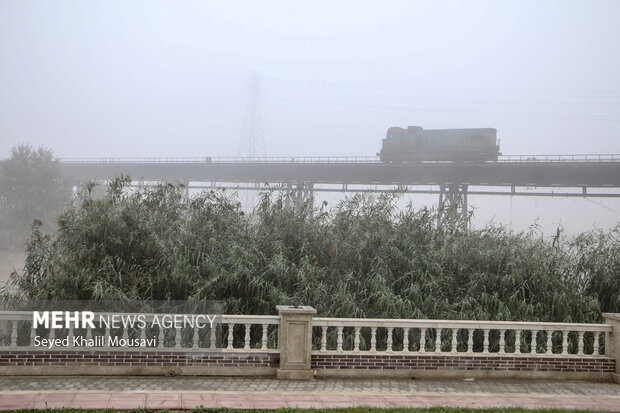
[[596, 171]]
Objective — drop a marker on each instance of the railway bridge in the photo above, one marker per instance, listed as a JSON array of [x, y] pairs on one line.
[[512, 175]]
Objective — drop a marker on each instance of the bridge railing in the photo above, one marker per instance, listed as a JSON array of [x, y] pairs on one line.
[[227, 160], [560, 158], [330, 159]]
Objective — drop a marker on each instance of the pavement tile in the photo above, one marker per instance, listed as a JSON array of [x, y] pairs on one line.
[[305, 404], [235, 404], [89, 404], [268, 397], [339, 405], [300, 397], [164, 404], [367, 398], [54, 396], [17, 398], [268, 393], [193, 402], [232, 397], [266, 404], [163, 396], [125, 404], [50, 404], [92, 396], [15, 401], [128, 396], [428, 401], [198, 396], [333, 398], [205, 405]]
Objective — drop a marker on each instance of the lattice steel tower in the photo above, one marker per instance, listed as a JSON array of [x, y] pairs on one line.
[[252, 141]]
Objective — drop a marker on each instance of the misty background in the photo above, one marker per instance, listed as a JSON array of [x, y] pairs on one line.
[[171, 78]]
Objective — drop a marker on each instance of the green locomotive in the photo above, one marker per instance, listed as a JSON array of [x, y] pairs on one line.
[[415, 144]]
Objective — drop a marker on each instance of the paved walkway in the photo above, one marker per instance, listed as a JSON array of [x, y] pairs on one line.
[[189, 392]]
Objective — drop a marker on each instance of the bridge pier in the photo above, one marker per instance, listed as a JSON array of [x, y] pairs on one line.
[[300, 193], [452, 212]]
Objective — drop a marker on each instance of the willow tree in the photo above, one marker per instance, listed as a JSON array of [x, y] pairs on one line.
[[31, 187]]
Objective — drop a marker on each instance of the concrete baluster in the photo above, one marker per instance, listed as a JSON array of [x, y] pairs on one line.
[[502, 341], [231, 329], [264, 337], [517, 341], [564, 343], [246, 339], [485, 344], [373, 339], [422, 340], [454, 340], [356, 341], [470, 340]]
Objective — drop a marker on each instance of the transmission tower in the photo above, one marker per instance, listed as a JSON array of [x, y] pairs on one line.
[[252, 141]]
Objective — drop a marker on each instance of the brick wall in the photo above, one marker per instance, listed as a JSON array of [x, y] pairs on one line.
[[462, 363], [16, 358]]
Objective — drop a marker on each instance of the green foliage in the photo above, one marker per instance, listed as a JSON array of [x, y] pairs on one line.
[[30, 188], [362, 258]]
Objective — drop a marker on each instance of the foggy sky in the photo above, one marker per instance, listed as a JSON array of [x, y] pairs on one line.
[[170, 78]]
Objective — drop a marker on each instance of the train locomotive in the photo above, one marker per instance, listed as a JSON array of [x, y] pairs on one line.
[[414, 144]]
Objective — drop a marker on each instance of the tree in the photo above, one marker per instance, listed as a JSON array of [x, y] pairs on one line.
[[31, 187]]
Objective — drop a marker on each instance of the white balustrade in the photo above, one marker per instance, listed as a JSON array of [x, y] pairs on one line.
[[366, 335], [182, 341], [494, 337]]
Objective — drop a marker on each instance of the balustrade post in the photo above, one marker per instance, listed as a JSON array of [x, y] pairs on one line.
[[70, 338], [177, 338], [454, 340], [231, 331], [295, 342], [339, 341], [33, 332], [264, 337], [485, 343], [549, 342], [356, 341], [580, 344], [14, 333], [612, 340], [195, 338], [212, 337], [373, 339], [246, 338], [502, 341], [564, 343], [470, 340]]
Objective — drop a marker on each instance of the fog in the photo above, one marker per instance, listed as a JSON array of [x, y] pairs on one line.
[[171, 78]]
